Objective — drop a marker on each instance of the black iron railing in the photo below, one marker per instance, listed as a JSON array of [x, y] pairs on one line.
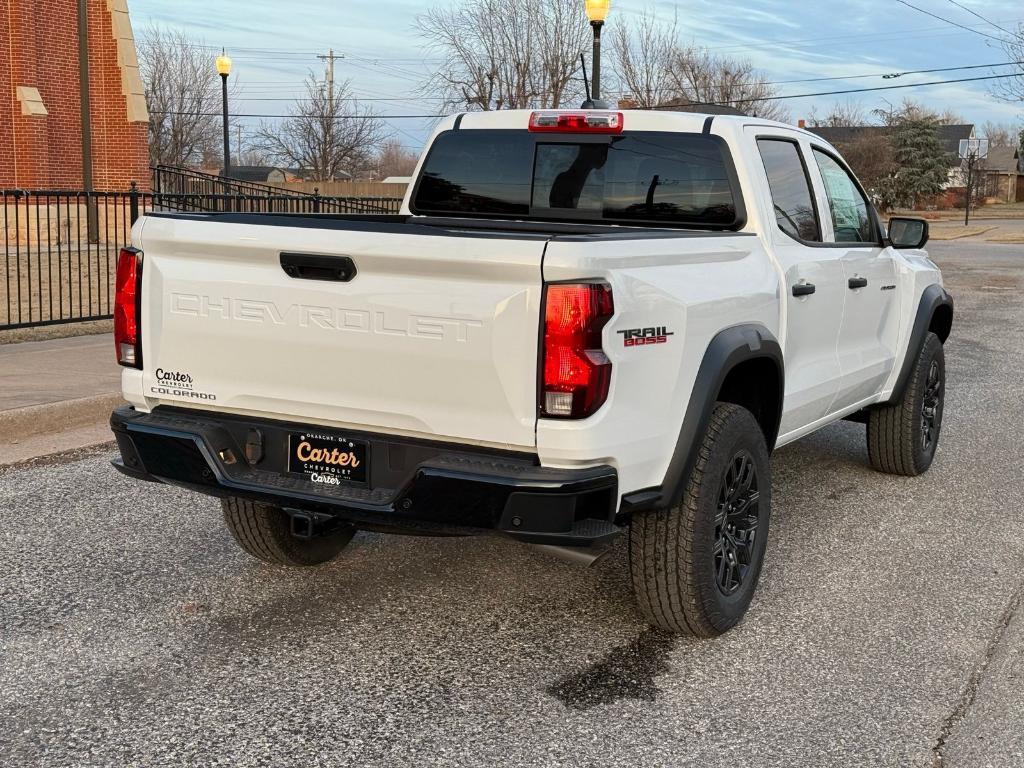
[[185, 181], [219, 193], [61, 246]]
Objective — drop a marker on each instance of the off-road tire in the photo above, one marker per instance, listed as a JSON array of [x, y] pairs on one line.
[[264, 531], [897, 444], [672, 552]]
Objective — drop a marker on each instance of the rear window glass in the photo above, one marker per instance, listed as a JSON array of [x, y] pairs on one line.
[[673, 178]]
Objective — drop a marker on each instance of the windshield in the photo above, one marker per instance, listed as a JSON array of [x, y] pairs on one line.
[[643, 177]]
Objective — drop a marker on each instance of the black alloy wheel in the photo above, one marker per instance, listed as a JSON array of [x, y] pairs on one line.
[[736, 523], [695, 565], [930, 405]]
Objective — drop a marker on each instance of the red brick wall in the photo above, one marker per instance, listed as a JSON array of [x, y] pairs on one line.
[[8, 102], [39, 44]]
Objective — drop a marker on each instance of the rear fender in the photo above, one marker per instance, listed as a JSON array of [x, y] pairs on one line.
[[728, 349]]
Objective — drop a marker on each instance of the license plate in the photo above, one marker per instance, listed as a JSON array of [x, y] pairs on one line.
[[327, 459]]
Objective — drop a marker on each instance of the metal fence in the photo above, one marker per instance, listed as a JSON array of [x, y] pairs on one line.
[[61, 246], [195, 190]]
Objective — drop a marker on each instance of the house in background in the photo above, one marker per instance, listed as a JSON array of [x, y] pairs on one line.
[[259, 174], [303, 174], [274, 176], [1004, 175]]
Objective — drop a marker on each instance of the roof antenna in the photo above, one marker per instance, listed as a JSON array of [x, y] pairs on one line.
[[589, 103]]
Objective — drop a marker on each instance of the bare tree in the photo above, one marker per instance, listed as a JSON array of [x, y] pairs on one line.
[[704, 78], [841, 114], [1001, 134], [643, 55], [655, 70], [1012, 88], [183, 97], [911, 110], [395, 160], [328, 133], [250, 155], [872, 158], [505, 54]]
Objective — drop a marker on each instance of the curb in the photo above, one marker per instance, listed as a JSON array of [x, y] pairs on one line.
[[61, 416]]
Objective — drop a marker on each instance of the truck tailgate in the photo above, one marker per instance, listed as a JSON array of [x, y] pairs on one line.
[[435, 335]]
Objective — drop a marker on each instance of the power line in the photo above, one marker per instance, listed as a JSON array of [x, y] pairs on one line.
[[948, 21], [855, 90], [893, 75], [885, 75], [718, 103], [710, 103], [978, 15]]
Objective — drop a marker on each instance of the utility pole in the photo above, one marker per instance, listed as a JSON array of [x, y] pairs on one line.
[[330, 58]]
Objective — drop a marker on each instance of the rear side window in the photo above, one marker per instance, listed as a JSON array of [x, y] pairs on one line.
[[851, 218], [792, 198], [469, 172], [642, 177]]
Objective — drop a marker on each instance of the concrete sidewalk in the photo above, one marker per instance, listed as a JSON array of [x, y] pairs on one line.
[[56, 395]]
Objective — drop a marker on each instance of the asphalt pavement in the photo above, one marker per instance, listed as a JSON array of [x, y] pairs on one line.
[[886, 630]]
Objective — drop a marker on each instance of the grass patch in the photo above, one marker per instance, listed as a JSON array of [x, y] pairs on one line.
[[1009, 238], [957, 233], [63, 331]]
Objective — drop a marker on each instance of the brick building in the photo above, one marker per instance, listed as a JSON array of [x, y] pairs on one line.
[[40, 111]]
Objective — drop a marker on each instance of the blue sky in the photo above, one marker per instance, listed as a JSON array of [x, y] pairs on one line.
[[274, 45]]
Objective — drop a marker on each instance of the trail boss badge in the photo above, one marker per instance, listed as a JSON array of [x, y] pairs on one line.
[[638, 337]]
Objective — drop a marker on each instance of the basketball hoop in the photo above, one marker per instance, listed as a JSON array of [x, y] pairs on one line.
[[976, 149]]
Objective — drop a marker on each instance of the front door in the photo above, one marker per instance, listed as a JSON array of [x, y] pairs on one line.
[[867, 339]]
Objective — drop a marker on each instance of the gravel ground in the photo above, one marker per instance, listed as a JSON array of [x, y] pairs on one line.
[[134, 632]]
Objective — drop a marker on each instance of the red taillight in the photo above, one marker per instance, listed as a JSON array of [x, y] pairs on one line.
[[576, 370], [576, 122], [127, 334]]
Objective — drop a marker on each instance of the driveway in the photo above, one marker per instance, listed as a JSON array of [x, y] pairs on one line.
[[886, 630]]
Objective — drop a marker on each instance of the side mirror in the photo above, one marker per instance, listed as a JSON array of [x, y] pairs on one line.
[[908, 233]]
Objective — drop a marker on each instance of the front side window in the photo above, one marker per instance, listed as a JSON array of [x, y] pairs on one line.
[[792, 197], [642, 177], [851, 217]]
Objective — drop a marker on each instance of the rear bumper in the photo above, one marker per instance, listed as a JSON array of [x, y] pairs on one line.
[[414, 486]]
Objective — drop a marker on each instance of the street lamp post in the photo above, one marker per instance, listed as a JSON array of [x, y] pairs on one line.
[[597, 11], [224, 69]]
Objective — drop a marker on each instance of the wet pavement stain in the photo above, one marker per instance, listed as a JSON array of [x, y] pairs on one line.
[[626, 672]]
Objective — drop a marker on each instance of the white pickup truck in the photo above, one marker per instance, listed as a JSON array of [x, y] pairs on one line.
[[582, 322]]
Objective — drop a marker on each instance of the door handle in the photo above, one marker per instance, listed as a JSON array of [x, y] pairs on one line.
[[309, 266], [858, 282], [804, 289]]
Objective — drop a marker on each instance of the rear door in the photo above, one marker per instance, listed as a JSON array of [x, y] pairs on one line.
[[812, 282], [867, 340], [432, 334]]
